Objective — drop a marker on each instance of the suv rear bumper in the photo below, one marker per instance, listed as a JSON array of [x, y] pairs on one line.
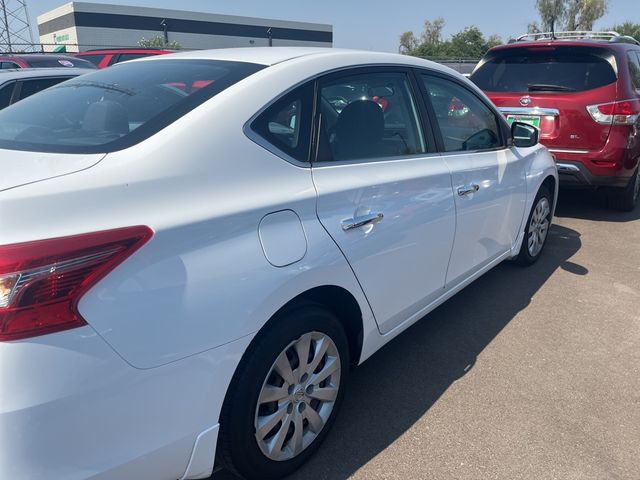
[[573, 173]]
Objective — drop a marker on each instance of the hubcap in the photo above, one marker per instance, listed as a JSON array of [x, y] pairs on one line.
[[538, 226], [298, 396]]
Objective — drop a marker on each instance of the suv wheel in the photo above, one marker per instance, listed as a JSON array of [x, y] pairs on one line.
[[626, 199], [285, 395], [537, 228]]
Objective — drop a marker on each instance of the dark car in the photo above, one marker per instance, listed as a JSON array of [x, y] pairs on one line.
[[110, 56], [42, 60], [582, 91]]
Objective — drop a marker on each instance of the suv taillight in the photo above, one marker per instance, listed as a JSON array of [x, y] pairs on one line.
[[624, 112], [41, 282]]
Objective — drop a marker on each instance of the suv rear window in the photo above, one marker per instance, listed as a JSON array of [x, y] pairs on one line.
[[116, 107], [545, 69]]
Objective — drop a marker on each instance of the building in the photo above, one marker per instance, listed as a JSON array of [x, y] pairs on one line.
[[85, 26]]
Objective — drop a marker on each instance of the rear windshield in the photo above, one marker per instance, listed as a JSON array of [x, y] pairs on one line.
[[545, 69], [57, 62], [117, 107]]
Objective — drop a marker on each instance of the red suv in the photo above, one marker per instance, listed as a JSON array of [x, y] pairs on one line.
[[582, 91], [105, 57]]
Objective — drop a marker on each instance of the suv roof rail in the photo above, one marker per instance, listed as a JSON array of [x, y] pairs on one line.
[[613, 37]]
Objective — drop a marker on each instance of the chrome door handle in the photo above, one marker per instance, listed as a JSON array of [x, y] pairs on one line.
[[468, 190], [361, 221]]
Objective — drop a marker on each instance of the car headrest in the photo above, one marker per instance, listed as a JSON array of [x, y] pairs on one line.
[[359, 129], [106, 116]]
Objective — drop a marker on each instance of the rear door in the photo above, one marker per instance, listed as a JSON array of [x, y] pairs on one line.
[[488, 177], [384, 194], [551, 86]]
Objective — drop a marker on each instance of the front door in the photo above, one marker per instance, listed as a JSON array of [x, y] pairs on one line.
[[488, 178], [384, 194]]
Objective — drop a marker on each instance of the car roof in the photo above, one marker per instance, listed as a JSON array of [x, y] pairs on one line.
[[99, 51], [274, 55], [29, 56], [565, 43], [22, 73]]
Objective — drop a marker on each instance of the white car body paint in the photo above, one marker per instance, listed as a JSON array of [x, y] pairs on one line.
[[137, 392]]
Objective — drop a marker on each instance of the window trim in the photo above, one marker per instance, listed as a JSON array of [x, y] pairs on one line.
[[503, 126], [423, 121], [257, 138]]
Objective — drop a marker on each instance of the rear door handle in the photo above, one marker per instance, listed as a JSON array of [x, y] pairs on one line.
[[468, 190], [361, 221]]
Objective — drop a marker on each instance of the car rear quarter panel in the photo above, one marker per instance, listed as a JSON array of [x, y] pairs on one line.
[[203, 280]]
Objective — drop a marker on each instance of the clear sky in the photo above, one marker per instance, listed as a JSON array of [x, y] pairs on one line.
[[376, 24]]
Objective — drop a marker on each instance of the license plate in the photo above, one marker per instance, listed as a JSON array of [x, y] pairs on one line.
[[530, 119]]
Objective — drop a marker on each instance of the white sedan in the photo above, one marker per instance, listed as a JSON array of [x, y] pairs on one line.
[[195, 248]]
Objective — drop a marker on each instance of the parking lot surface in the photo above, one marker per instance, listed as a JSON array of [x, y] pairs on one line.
[[526, 374]]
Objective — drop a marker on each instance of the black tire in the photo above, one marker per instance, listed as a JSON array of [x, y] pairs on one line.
[[238, 448], [625, 199], [525, 257]]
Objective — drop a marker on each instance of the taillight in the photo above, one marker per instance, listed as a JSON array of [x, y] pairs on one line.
[[41, 282], [625, 112]]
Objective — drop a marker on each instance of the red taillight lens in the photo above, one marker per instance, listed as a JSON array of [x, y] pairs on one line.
[[625, 112], [41, 282]]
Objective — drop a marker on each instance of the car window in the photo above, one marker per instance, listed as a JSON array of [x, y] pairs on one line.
[[466, 123], [634, 69], [550, 69], [5, 94], [123, 57], [30, 87], [368, 116], [287, 123], [115, 108], [95, 59], [8, 65], [57, 62]]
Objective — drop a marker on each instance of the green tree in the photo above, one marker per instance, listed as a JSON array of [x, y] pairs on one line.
[[432, 31], [158, 42], [468, 43], [408, 42], [629, 29], [568, 14]]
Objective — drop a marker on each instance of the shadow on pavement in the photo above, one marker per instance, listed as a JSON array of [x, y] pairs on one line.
[[393, 389], [590, 205]]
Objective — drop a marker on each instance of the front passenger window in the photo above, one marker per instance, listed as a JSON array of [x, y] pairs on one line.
[[465, 122]]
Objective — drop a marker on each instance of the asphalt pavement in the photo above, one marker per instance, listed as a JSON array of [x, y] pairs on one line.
[[529, 373]]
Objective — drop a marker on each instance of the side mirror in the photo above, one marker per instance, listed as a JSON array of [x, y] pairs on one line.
[[524, 135]]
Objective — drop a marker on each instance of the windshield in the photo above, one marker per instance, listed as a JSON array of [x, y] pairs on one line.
[[117, 107], [545, 69]]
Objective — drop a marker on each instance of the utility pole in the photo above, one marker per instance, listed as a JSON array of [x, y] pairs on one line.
[[270, 36], [15, 29]]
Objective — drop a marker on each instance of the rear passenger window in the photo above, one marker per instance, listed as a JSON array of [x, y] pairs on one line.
[[286, 124], [368, 116], [5, 94], [634, 69], [466, 123], [30, 87]]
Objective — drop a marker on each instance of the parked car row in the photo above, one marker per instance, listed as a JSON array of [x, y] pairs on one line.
[[196, 248]]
